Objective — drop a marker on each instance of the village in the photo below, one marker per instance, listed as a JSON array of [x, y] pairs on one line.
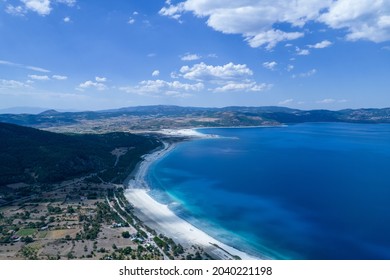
[[82, 219]]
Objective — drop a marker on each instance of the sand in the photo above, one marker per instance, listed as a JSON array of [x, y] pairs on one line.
[[159, 217]]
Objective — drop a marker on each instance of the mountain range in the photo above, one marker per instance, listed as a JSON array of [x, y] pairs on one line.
[[166, 116]]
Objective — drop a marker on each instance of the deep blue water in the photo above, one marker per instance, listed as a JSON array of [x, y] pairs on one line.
[[305, 191]]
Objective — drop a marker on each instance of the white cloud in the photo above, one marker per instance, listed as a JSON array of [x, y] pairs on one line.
[[172, 10], [256, 20], [12, 84], [70, 3], [135, 13], [203, 71], [321, 45], [270, 65], [101, 79], [34, 68], [91, 84], [155, 87], [41, 7], [253, 19], [59, 77], [271, 38], [363, 19], [286, 102], [174, 75], [331, 101], [4, 62], [243, 86], [15, 10], [305, 74], [39, 77], [66, 19], [302, 51], [289, 67], [38, 69], [131, 21], [190, 57], [155, 73], [327, 101]]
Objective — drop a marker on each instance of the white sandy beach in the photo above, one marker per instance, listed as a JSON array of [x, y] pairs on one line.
[[163, 220]]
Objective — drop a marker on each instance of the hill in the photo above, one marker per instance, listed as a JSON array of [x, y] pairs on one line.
[[154, 118], [34, 156]]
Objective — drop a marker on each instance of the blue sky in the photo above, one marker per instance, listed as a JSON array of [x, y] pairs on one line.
[[89, 55]]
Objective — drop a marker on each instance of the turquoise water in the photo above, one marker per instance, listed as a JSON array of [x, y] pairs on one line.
[[305, 191]]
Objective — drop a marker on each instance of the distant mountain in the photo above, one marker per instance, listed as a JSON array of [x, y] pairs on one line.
[[34, 156], [49, 112], [22, 110], [165, 116]]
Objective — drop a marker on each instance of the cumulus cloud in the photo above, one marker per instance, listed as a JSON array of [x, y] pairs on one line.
[[39, 77], [203, 71], [66, 19], [256, 20], [302, 51], [271, 38], [156, 87], [131, 21], [271, 65], [364, 19], [41, 7], [91, 84], [155, 73], [253, 19], [321, 45], [190, 57], [59, 77]]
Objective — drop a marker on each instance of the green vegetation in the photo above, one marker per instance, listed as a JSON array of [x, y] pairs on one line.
[[26, 231], [39, 158]]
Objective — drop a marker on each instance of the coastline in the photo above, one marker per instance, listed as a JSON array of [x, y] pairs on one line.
[[159, 217]]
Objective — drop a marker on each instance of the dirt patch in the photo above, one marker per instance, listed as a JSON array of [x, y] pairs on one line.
[[62, 233]]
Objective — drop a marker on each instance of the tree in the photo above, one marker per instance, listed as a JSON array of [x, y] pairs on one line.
[[28, 239], [125, 234]]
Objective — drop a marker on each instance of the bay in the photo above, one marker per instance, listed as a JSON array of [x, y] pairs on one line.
[[304, 191]]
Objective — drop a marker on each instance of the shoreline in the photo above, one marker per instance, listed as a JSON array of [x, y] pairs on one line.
[[159, 217]]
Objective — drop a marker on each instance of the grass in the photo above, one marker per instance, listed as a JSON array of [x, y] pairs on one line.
[[26, 231]]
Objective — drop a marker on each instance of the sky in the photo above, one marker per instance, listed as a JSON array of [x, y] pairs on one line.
[[92, 55]]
